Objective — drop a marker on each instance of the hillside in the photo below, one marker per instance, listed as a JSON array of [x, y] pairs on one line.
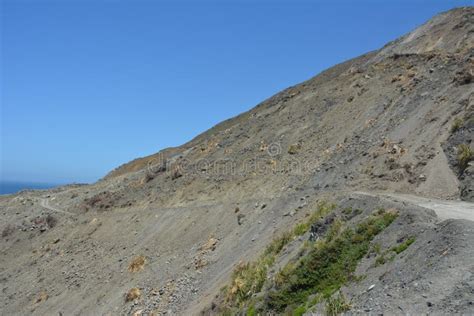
[[354, 151]]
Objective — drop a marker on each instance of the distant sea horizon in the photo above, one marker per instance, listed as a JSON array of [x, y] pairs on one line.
[[11, 187]]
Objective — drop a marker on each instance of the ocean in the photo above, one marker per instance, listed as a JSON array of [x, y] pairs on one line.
[[9, 187]]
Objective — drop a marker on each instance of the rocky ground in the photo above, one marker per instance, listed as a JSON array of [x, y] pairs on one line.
[[162, 234]]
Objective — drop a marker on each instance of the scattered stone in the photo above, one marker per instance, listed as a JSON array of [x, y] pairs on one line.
[[240, 218]]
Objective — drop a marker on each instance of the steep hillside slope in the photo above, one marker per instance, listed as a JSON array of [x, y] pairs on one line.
[[163, 233]]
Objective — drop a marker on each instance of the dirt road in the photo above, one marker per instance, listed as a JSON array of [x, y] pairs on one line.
[[44, 202], [445, 209]]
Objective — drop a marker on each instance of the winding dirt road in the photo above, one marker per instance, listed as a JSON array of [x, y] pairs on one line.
[[45, 203]]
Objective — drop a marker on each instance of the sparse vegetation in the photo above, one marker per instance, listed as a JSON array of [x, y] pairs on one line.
[[284, 274], [347, 211], [403, 246], [42, 296], [376, 248], [381, 260], [334, 230], [324, 267], [303, 308], [465, 155], [278, 243], [293, 149], [457, 124], [322, 210], [248, 278], [300, 310], [300, 229], [337, 305], [384, 257], [133, 294], [330, 264], [251, 311], [102, 201], [137, 264]]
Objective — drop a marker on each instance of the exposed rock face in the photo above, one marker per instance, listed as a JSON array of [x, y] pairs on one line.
[[467, 188], [379, 122], [462, 138]]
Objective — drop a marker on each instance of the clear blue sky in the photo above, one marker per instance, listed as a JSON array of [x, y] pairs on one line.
[[88, 85]]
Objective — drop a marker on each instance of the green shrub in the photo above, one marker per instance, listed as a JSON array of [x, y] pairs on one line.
[[465, 155], [330, 264], [334, 230], [324, 267], [284, 274], [347, 211], [278, 243], [380, 260], [248, 278], [322, 210], [299, 311], [376, 248], [403, 246], [300, 229], [251, 310]]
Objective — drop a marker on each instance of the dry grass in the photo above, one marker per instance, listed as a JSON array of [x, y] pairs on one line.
[[210, 245], [133, 294], [294, 149], [337, 305], [137, 264], [457, 124], [465, 155], [42, 296], [200, 262]]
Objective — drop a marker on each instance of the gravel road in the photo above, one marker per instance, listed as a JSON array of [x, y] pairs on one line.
[[445, 209]]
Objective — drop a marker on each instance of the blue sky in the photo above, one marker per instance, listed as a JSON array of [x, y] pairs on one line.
[[89, 85]]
